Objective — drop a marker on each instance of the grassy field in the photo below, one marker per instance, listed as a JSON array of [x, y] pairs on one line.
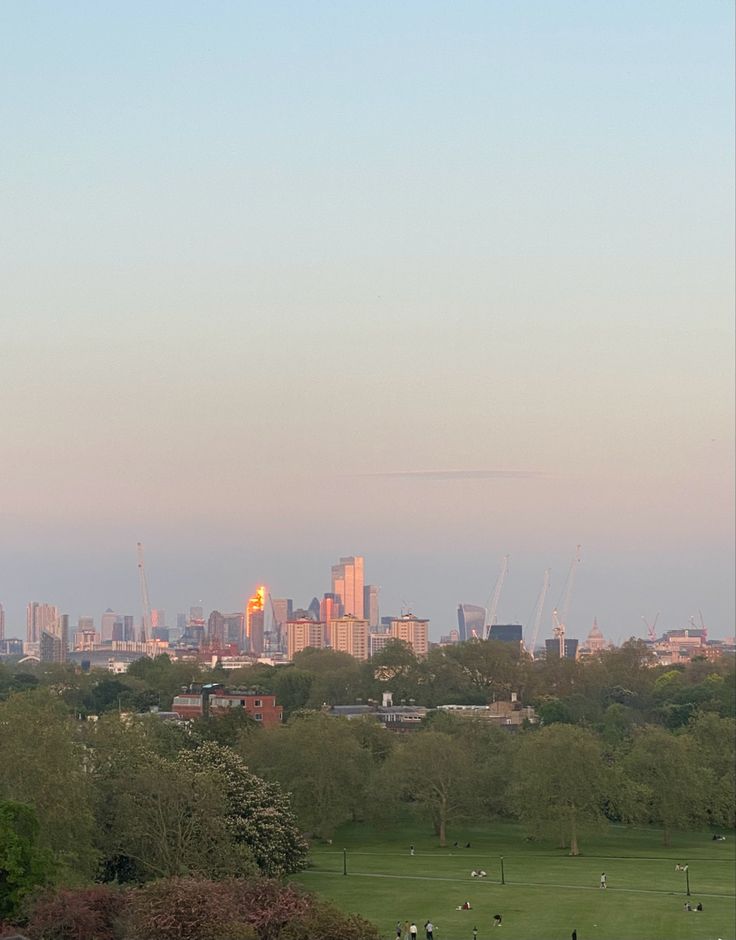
[[546, 893]]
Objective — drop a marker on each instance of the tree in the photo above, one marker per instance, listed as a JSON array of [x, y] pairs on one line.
[[713, 746], [560, 782], [258, 815], [156, 814], [42, 765], [491, 668], [664, 770], [23, 864], [318, 760], [171, 819], [433, 771]]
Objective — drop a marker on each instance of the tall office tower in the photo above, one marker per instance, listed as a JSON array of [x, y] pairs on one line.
[[282, 609], [347, 583], [471, 621], [181, 622], [128, 628], [370, 605], [196, 613], [552, 648], [254, 611], [117, 630], [63, 634], [158, 619], [40, 617], [350, 635], [85, 624], [314, 608], [216, 626], [50, 648], [330, 609], [302, 633], [107, 624], [507, 633], [2, 622], [53, 644], [413, 631], [235, 629]]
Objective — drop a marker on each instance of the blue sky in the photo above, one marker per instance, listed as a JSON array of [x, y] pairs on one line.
[[257, 255]]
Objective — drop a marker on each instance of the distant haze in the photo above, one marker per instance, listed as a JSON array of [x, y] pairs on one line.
[[427, 282]]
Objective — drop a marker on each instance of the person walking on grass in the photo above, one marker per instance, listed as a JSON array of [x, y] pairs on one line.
[[398, 930], [413, 931], [411, 850], [603, 879], [574, 935], [429, 929]]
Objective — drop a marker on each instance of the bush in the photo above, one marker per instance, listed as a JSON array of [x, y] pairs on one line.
[[328, 923], [198, 909], [193, 909], [76, 914]]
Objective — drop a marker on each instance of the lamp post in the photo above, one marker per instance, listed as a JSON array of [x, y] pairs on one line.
[[344, 861], [503, 879], [687, 879]]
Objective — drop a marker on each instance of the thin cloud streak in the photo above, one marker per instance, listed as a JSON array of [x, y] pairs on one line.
[[458, 474]]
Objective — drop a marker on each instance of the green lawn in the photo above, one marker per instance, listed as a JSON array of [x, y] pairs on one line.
[[546, 893]]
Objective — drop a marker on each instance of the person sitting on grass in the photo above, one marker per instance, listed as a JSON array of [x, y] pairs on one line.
[[687, 906], [474, 874], [497, 920], [699, 906], [482, 874], [464, 907]]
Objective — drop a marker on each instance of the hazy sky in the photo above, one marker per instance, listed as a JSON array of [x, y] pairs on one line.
[[260, 259]]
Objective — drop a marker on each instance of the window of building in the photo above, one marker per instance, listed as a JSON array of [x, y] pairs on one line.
[[258, 716]]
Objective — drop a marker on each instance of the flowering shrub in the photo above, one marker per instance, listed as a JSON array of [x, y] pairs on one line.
[[76, 914], [259, 815]]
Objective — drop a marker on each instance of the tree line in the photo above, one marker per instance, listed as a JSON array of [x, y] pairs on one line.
[[129, 799]]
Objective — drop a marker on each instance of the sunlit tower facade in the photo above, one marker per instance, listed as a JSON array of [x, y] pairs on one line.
[[40, 618], [370, 605], [254, 622], [348, 583]]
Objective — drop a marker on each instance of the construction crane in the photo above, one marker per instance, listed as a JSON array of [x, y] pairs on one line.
[[537, 615], [651, 628], [145, 602], [702, 625], [492, 604], [561, 613], [558, 632]]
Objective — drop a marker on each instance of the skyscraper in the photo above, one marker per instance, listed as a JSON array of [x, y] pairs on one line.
[[347, 584], [2, 622], [281, 608], [107, 624], [254, 622], [40, 617], [370, 605], [216, 627], [471, 621]]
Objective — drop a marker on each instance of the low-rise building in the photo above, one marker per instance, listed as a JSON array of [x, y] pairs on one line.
[[213, 700]]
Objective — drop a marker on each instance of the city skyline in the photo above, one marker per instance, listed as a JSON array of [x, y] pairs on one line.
[[394, 602], [438, 283]]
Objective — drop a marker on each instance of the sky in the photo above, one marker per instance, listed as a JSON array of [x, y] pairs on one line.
[[270, 271]]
